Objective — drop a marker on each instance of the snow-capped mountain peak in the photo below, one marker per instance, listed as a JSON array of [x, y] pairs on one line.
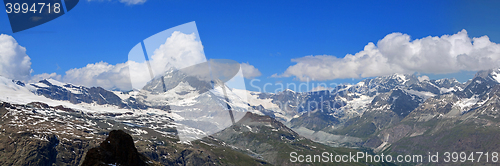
[[55, 82], [495, 74]]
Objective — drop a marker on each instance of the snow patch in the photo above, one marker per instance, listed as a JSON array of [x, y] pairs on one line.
[[496, 75], [421, 94], [464, 104], [55, 82], [401, 78]]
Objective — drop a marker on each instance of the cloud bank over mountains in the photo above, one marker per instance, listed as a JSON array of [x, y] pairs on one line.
[[179, 51], [397, 53]]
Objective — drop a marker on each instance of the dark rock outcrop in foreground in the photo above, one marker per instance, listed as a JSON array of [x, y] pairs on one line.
[[118, 149]]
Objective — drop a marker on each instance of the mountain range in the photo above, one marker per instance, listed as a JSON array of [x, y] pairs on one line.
[[179, 120], [396, 114]]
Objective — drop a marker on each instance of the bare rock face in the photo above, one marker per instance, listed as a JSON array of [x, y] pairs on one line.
[[118, 149], [20, 149]]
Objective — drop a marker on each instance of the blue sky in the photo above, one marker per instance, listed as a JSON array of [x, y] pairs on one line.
[[266, 34]]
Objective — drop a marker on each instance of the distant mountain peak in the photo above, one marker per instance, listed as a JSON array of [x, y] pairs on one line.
[[491, 74], [403, 78]]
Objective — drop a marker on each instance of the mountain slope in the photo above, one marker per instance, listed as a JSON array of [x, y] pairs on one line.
[[268, 139], [38, 134]]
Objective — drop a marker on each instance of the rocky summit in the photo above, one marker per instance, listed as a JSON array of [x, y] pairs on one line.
[[117, 149]]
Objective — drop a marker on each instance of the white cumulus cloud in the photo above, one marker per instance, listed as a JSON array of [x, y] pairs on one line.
[[100, 74], [423, 78], [179, 51], [397, 53], [249, 71], [14, 62]]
